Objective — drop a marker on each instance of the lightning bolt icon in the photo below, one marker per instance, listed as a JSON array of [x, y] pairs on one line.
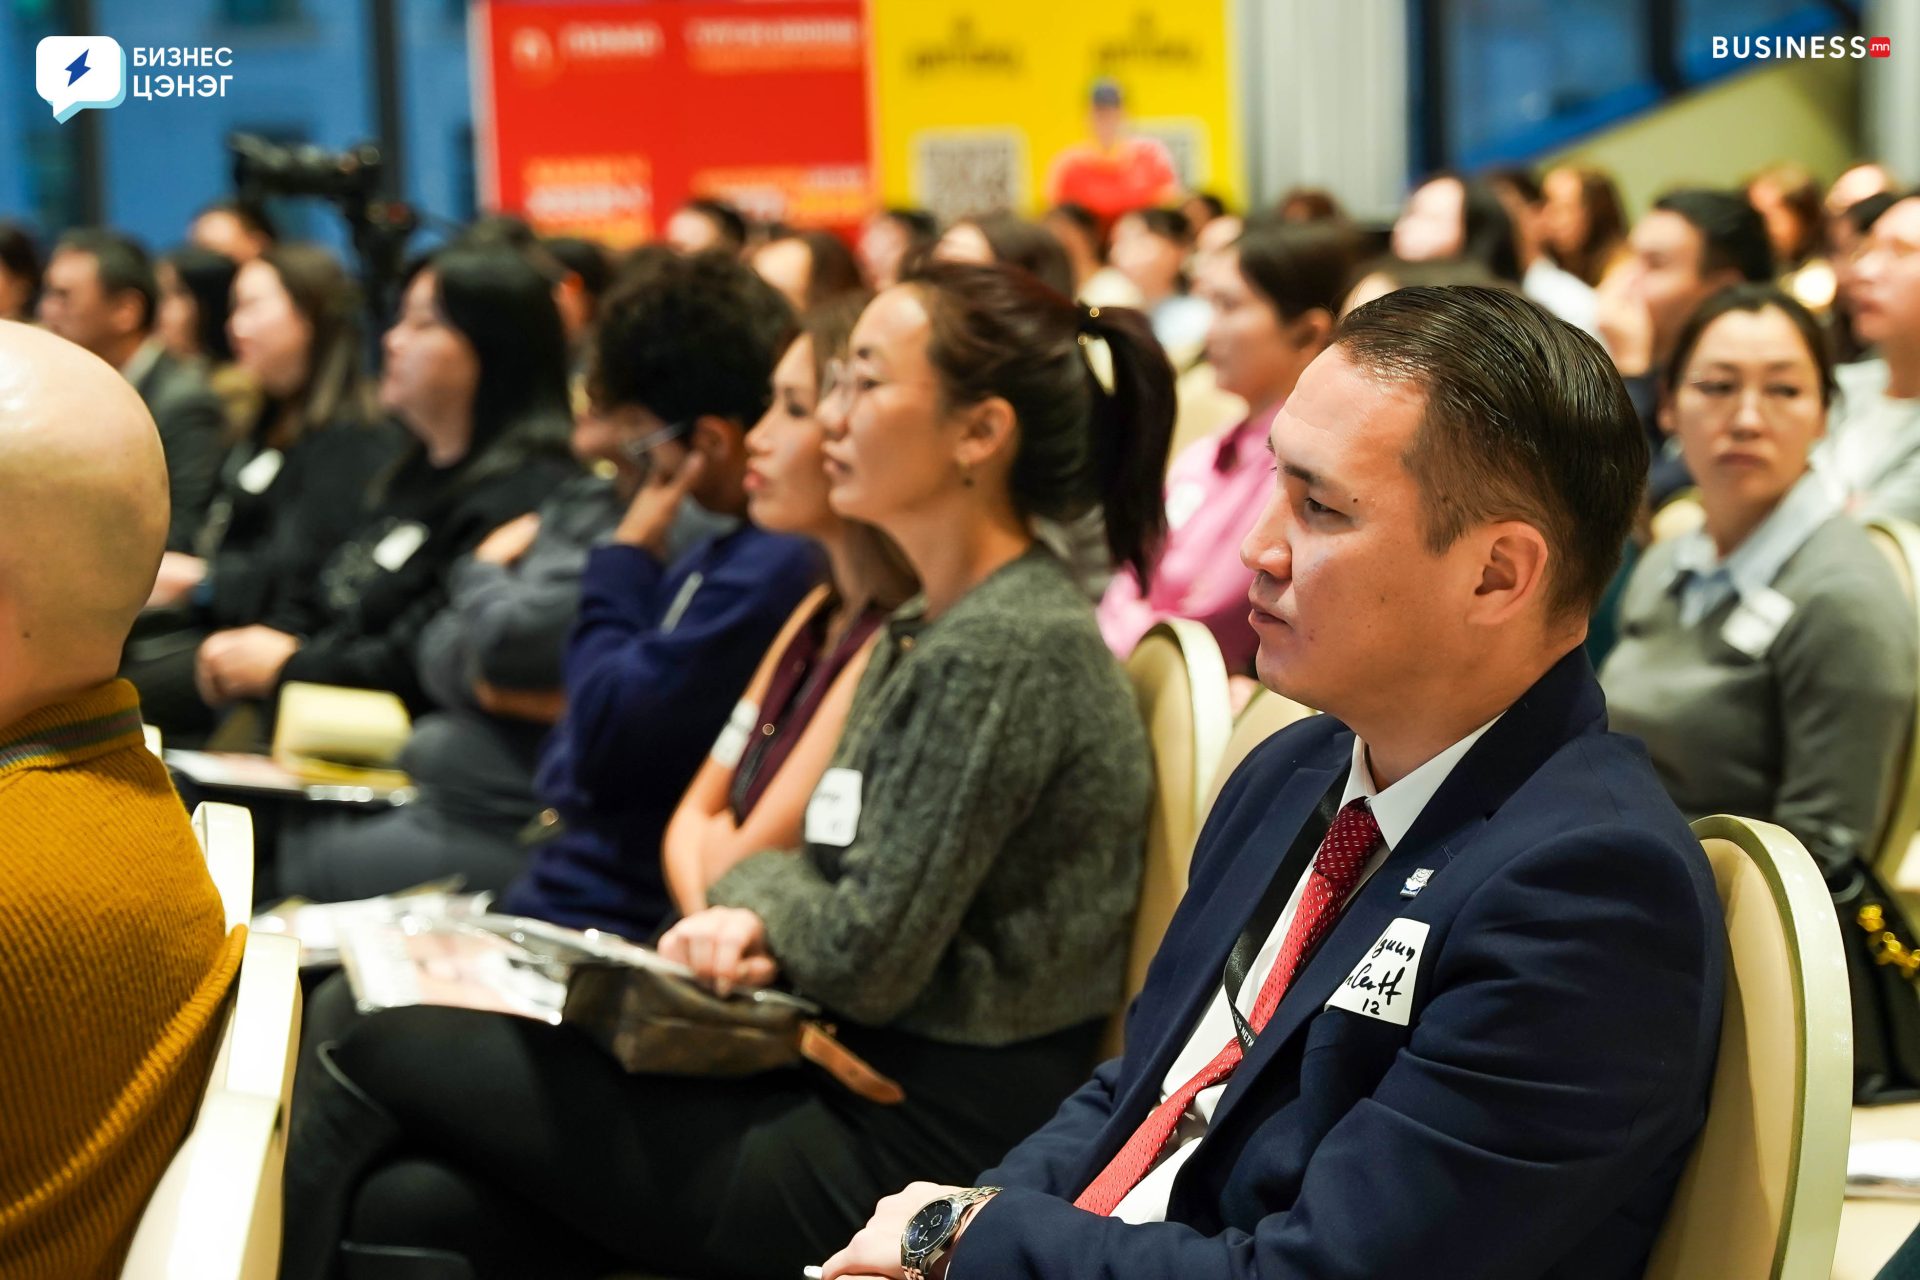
[[77, 68]]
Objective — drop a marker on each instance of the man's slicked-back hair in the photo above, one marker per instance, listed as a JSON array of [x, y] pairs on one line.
[[1525, 419]]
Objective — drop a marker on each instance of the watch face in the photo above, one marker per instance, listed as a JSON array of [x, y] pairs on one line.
[[930, 1226]]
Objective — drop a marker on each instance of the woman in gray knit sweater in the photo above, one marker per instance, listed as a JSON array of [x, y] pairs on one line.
[[963, 899], [1768, 659]]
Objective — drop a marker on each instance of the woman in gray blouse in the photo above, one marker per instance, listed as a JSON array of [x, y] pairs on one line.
[[963, 899], [1768, 659]]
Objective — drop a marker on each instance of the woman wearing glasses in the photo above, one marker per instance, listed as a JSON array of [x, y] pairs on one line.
[[1768, 659]]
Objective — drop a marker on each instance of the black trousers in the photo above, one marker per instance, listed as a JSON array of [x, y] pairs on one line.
[[527, 1150]]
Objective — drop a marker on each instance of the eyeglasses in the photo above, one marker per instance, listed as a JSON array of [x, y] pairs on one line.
[[837, 384], [1776, 399], [840, 384]]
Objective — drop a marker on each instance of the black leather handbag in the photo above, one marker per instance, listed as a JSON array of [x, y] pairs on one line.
[[1883, 977]]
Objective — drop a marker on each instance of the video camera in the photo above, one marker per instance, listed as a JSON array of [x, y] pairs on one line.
[[350, 179]]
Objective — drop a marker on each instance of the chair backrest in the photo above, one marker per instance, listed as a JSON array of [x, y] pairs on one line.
[[1899, 540], [216, 1213], [1180, 684], [1761, 1193], [1681, 514], [226, 837], [1265, 714]]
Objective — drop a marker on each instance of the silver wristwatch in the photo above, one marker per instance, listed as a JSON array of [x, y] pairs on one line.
[[929, 1233]]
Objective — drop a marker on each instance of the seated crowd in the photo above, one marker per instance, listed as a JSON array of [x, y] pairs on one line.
[[765, 599]]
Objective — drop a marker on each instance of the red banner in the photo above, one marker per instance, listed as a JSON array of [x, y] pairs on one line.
[[601, 119]]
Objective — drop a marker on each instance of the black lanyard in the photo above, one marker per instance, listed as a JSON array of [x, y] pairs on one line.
[[1274, 900]]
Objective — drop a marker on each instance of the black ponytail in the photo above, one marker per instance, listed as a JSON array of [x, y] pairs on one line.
[[1132, 431], [997, 331]]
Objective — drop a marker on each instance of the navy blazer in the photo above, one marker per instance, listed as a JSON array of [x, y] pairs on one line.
[[1532, 1117]]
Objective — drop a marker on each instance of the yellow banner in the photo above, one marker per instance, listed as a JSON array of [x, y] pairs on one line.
[[976, 100]]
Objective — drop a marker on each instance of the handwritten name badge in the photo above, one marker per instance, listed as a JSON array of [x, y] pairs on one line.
[[1381, 985], [833, 814]]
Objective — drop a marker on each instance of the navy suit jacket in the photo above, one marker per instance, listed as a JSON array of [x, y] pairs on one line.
[[1532, 1117]]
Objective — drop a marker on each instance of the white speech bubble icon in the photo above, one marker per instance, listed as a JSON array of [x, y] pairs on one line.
[[76, 72]]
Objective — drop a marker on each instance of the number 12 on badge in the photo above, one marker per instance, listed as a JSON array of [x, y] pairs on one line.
[[1381, 985]]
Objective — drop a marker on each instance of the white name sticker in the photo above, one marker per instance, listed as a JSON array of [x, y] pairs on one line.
[[1381, 985], [833, 815], [1756, 620], [1183, 503], [398, 546], [732, 742], [258, 474]]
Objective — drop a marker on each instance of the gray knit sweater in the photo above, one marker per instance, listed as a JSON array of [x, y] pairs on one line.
[[989, 887]]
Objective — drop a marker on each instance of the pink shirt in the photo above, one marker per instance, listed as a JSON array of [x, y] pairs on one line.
[[1199, 574]]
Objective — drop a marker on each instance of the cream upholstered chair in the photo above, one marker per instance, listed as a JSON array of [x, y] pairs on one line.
[[1761, 1194], [226, 837], [1265, 714], [1682, 514], [217, 1211], [1180, 684], [1896, 858]]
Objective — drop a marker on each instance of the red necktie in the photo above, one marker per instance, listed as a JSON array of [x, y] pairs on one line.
[[1336, 870]]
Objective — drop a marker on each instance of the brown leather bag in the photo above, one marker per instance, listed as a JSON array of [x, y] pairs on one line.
[[659, 1024]]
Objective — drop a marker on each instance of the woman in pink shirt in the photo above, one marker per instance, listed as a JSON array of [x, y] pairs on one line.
[[1274, 294]]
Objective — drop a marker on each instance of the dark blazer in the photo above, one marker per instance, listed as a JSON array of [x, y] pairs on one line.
[[1529, 1121], [192, 431]]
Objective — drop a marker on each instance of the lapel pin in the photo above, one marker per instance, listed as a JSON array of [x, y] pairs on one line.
[[1416, 882]]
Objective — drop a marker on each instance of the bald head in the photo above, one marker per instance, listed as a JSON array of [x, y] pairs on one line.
[[83, 489]]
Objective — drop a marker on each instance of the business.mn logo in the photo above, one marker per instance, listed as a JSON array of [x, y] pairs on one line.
[[76, 72], [1794, 47]]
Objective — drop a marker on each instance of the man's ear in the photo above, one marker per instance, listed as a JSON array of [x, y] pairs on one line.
[[720, 439], [125, 308], [987, 432], [1513, 572], [1311, 329]]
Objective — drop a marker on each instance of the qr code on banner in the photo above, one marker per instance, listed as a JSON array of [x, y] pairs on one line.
[[1186, 143], [958, 174]]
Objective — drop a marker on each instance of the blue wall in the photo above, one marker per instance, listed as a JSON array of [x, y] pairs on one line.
[[302, 70]]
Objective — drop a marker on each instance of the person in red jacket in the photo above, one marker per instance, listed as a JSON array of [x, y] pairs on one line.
[[1114, 172]]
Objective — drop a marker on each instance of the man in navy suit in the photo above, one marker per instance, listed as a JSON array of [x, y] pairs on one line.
[[1443, 997]]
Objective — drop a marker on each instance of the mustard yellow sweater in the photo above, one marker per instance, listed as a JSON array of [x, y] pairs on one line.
[[114, 960]]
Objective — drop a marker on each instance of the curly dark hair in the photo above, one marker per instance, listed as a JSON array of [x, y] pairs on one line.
[[685, 337]]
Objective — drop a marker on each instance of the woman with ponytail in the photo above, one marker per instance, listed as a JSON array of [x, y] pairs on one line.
[[961, 900]]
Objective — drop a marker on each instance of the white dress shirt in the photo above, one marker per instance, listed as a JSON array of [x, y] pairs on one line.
[[1396, 810]]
